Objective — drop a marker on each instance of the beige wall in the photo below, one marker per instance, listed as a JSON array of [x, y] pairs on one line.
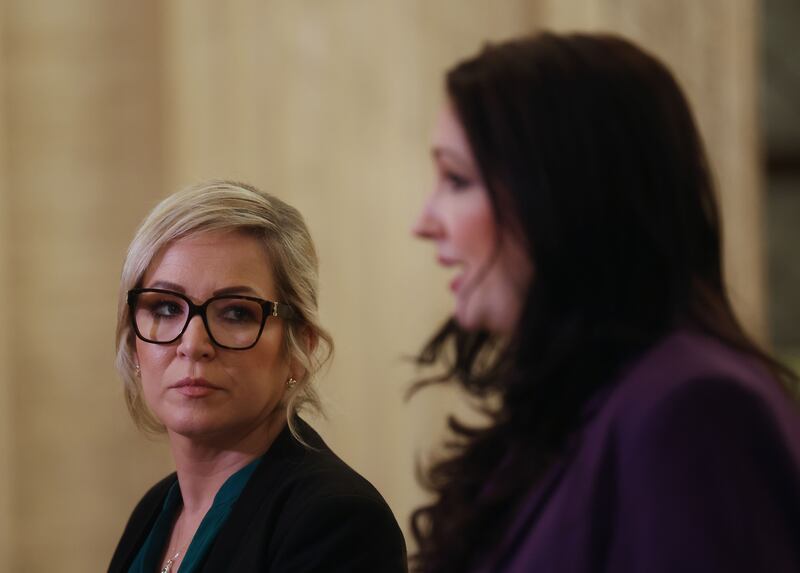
[[105, 107], [6, 419], [83, 158]]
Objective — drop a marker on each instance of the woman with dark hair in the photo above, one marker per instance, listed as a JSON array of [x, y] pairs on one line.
[[632, 424]]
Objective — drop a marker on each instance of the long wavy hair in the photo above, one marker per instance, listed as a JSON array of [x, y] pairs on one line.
[[587, 145]]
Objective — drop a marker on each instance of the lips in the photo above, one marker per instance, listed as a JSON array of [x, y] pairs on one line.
[[194, 387], [447, 262]]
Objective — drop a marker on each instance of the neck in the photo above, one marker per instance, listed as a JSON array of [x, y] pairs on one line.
[[204, 464]]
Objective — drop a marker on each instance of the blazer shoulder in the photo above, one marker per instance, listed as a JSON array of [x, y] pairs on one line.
[[307, 510], [316, 471], [718, 454], [343, 533], [688, 367], [336, 521]]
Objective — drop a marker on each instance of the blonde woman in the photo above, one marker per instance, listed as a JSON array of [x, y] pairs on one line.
[[217, 342]]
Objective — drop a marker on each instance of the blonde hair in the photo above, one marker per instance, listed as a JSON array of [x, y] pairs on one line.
[[230, 206]]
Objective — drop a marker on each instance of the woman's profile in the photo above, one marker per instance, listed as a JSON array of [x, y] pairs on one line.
[[632, 424]]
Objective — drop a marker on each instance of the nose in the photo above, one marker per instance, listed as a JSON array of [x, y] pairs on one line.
[[427, 225], [195, 343]]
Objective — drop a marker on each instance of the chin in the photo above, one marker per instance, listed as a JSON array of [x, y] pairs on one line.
[[194, 426], [494, 323], [467, 321], [216, 426]]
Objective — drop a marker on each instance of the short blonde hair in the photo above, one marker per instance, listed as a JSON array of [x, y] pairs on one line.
[[235, 207]]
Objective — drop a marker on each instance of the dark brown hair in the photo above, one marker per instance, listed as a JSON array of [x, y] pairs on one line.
[[588, 146]]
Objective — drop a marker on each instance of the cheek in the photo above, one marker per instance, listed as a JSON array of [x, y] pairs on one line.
[[510, 284], [152, 359], [146, 353], [263, 365], [474, 230]]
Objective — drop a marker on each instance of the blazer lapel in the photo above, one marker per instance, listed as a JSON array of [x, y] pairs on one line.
[[270, 474]]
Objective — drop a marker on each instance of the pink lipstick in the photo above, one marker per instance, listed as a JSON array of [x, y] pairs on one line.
[[194, 387]]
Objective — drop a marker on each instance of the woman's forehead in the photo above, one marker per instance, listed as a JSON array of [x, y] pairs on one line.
[[206, 262]]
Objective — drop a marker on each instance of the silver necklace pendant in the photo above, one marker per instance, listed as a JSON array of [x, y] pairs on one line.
[[168, 565]]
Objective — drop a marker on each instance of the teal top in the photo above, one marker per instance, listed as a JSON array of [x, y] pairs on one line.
[[148, 560]]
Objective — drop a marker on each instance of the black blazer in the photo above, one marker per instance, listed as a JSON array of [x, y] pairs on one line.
[[303, 510]]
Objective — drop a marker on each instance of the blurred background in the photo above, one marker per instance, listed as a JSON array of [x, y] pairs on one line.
[[106, 107]]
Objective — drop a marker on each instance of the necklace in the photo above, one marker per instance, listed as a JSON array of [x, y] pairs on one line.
[[168, 565], [171, 561]]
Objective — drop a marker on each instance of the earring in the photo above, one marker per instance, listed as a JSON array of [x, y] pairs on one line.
[[291, 383], [138, 370]]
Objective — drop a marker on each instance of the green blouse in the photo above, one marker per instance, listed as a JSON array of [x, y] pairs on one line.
[[148, 560]]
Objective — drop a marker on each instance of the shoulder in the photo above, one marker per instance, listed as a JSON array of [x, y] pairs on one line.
[[693, 403], [705, 449], [322, 483], [341, 532], [693, 449], [320, 514], [701, 381], [315, 473]]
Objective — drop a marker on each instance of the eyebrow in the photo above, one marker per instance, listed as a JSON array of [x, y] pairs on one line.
[[451, 156], [453, 159], [443, 152], [236, 289], [168, 286]]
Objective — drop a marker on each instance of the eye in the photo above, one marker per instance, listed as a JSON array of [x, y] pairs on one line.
[[455, 181], [239, 313], [165, 309]]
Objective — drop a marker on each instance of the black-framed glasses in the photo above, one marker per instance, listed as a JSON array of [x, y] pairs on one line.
[[235, 322]]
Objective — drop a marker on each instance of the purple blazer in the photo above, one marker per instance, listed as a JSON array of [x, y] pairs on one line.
[[689, 463]]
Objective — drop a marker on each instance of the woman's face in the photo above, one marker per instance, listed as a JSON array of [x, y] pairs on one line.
[[195, 388], [492, 275]]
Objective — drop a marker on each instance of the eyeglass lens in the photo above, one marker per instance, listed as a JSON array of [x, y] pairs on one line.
[[233, 322]]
